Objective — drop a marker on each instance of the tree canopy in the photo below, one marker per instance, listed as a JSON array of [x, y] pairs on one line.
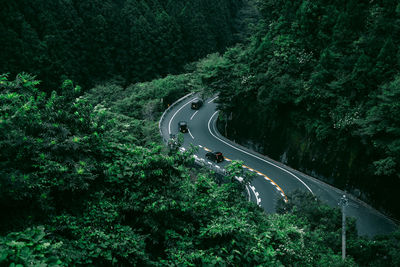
[[85, 179], [321, 82], [83, 184], [94, 41]]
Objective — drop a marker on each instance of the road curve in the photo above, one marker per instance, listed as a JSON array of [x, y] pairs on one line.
[[273, 180]]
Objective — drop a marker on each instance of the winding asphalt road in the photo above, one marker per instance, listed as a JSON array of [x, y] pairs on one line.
[[273, 180]]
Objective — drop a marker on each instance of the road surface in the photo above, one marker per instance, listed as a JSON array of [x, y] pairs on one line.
[[273, 180]]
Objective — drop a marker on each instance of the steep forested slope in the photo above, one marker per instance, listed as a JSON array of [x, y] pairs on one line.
[[96, 40], [319, 88], [83, 183], [84, 179]]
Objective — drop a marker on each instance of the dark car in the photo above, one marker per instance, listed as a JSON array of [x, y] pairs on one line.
[[183, 128], [215, 156], [196, 104]]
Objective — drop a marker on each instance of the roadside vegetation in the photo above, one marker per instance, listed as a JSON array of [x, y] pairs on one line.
[[318, 88], [86, 180]]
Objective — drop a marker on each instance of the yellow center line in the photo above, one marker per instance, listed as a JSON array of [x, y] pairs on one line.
[[269, 179]]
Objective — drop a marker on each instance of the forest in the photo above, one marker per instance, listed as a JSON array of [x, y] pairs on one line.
[[85, 178], [94, 41], [321, 83]]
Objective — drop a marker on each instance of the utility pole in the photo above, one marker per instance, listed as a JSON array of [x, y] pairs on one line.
[[343, 203]]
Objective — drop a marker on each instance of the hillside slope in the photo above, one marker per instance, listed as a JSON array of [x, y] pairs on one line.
[[318, 88]]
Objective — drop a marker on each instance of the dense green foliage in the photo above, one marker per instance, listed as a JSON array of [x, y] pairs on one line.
[[84, 179], [97, 40], [323, 221], [83, 183], [319, 88]]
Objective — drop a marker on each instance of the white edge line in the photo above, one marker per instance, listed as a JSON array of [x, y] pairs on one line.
[[190, 133], [240, 179], [256, 194], [166, 111], [212, 99], [257, 198], [173, 116], [209, 129], [169, 131], [248, 192], [193, 115]]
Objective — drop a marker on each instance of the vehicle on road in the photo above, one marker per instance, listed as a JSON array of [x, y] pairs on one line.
[[183, 128], [196, 104], [215, 156]]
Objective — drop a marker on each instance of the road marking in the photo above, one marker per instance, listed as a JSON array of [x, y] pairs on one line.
[[250, 169], [173, 116], [256, 194], [266, 177], [259, 173], [190, 133], [212, 99], [258, 199], [248, 192], [193, 115], [228, 159], [205, 148], [209, 129]]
